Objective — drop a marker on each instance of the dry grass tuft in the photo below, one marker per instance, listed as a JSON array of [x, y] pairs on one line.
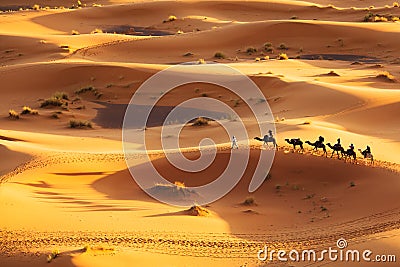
[[386, 76], [12, 114], [28, 110], [200, 121], [282, 56], [198, 211], [96, 31], [249, 201], [219, 55], [76, 124]]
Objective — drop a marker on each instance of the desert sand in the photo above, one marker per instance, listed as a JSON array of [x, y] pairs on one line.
[[66, 193]]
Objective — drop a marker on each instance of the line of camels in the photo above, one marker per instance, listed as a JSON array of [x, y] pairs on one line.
[[337, 148]]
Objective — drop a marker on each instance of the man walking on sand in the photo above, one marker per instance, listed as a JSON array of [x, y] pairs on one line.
[[234, 143]]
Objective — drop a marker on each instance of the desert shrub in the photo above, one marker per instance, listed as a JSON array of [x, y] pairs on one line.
[[57, 100], [200, 121], [61, 95], [249, 201], [36, 7], [282, 56], [92, 90], [28, 110], [396, 4], [179, 184], [96, 31], [54, 254], [85, 89], [74, 32], [219, 55], [282, 46], [80, 124], [170, 18], [268, 47], [385, 75], [54, 116], [251, 50], [268, 44], [13, 114], [201, 61]]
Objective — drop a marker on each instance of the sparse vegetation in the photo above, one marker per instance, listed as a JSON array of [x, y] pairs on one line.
[[323, 208], [201, 61], [278, 186], [396, 4], [28, 110], [268, 47], [310, 196], [282, 56], [92, 90], [200, 121], [352, 184], [249, 201], [96, 31], [179, 184], [282, 46], [80, 124], [74, 32], [13, 114], [219, 55], [36, 7], [371, 17], [170, 18], [386, 76], [54, 254], [57, 100], [54, 116], [251, 50], [197, 211]]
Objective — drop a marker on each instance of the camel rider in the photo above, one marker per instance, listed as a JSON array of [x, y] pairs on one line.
[[270, 133], [351, 147], [321, 139], [338, 143], [366, 151]]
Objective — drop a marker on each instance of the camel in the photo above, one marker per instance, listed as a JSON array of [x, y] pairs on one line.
[[350, 153], [367, 155], [316, 145], [295, 142], [336, 148], [267, 139]]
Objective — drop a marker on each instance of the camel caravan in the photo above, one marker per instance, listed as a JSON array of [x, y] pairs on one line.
[[337, 148]]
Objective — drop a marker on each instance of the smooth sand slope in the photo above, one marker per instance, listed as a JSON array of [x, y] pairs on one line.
[[66, 193]]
